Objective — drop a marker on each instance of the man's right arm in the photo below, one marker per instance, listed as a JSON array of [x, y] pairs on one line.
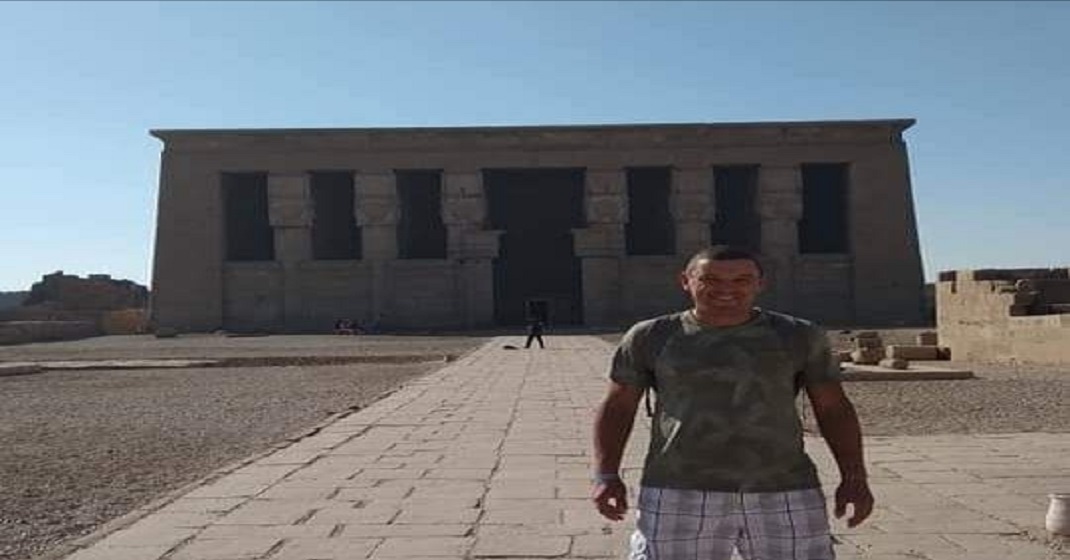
[[613, 424]]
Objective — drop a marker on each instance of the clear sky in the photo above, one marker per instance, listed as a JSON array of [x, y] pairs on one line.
[[82, 83]]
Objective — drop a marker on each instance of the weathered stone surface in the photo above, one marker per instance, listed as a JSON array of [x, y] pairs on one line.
[[864, 343], [166, 332], [894, 363], [912, 352], [867, 355], [195, 291], [927, 338], [955, 496], [21, 332], [993, 315]]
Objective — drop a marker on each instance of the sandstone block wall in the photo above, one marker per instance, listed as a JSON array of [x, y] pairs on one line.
[[21, 332], [877, 282], [1018, 315]]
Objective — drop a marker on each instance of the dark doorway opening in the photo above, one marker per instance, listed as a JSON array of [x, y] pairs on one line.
[[536, 209]]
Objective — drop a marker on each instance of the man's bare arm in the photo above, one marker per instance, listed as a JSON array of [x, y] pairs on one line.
[[613, 424], [838, 422], [839, 426]]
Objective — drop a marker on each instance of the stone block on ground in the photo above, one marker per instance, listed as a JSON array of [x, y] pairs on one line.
[[166, 332], [894, 363], [927, 338], [868, 356], [864, 343], [911, 352]]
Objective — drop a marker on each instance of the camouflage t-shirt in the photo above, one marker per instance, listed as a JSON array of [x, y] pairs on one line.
[[725, 417]]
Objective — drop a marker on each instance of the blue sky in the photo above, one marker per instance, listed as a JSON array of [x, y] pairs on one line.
[[989, 83]]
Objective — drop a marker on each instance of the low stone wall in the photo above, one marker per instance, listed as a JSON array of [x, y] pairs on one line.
[[1005, 315], [21, 332], [124, 321]]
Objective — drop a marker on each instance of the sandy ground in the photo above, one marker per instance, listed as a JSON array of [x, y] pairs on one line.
[[79, 448]]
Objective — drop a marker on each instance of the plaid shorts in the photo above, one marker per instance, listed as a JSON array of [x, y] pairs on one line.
[[697, 525]]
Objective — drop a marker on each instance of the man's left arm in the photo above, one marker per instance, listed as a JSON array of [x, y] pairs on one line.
[[838, 422]]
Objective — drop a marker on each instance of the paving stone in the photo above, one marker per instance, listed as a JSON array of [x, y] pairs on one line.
[[326, 549], [348, 515], [525, 474], [522, 489], [533, 515], [938, 477], [526, 546], [284, 492], [975, 526], [458, 474], [268, 513], [997, 545], [477, 461], [574, 489], [230, 532], [425, 515], [204, 505], [447, 490], [382, 531], [430, 546], [231, 487], [121, 553], [372, 493], [242, 548], [147, 534], [587, 517], [599, 546], [389, 474], [896, 544]]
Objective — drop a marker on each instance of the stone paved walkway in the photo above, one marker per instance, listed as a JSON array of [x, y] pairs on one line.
[[488, 458]]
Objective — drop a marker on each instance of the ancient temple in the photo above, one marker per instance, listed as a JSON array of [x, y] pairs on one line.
[[426, 228]]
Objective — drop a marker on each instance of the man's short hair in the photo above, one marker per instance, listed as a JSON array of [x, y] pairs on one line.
[[725, 253]]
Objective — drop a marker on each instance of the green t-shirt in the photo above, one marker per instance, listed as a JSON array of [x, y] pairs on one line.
[[725, 417]]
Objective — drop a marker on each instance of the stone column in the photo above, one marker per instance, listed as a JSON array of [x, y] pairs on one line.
[[601, 245], [376, 204], [692, 208], [290, 215], [780, 209], [470, 247]]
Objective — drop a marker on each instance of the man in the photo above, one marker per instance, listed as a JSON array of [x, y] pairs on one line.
[[534, 333], [726, 468]]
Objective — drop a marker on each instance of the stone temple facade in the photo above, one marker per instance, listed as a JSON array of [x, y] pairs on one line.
[[432, 228]]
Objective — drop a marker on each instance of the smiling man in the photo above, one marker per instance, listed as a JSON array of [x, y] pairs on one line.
[[726, 469]]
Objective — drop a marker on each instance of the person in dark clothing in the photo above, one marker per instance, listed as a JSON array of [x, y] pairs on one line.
[[534, 333]]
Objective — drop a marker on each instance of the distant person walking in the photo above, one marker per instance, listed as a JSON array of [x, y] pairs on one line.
[[535, 333]]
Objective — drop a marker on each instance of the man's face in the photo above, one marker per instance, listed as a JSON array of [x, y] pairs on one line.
[[723, 287]]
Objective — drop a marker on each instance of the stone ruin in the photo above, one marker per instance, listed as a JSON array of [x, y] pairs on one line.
[[1006, 315], [869, 349], [64, 307]]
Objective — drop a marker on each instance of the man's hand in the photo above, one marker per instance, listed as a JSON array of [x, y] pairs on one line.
[[854, 491], [611, 498]]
